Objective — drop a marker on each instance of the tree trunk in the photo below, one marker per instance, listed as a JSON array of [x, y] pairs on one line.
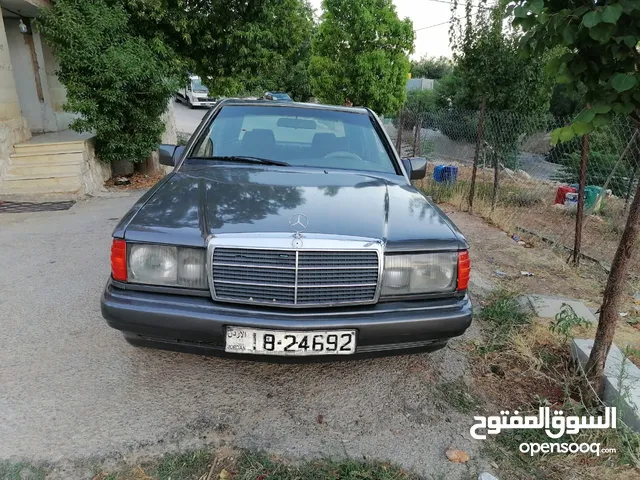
[[476, 155], [630, 188], [612, 294], [580, 214], [416, 138]]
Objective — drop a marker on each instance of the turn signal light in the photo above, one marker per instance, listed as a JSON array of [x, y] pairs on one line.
[[119, 260], [464, 270]]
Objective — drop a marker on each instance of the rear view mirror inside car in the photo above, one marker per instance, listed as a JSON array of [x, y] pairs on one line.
[[299, 123]]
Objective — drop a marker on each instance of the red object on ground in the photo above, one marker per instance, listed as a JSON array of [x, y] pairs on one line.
[[562, 191]]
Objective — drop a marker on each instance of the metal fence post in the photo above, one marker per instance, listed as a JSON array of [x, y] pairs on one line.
[[584, 154], [476, 155], [399, 135]]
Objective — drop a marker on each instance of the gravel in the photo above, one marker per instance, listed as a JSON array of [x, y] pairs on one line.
[[72, 389]]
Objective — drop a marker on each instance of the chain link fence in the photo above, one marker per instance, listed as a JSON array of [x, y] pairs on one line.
[[537, 183]]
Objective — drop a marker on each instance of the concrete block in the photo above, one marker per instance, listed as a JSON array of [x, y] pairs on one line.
[[547, 307], [479, 284], [622, 381]]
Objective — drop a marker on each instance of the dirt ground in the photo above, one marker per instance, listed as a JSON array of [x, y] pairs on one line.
[[493, 250]]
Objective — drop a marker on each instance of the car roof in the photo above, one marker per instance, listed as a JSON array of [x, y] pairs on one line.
[[274, 104]]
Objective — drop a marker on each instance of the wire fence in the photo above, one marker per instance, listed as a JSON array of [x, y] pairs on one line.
[[524, 184]]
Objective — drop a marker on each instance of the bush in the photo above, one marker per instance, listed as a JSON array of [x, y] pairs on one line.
[[458, 126], [419, 104], [606, 144], [119, 82]]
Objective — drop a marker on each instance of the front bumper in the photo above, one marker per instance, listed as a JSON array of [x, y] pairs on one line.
[[198, 324], [203, 103]]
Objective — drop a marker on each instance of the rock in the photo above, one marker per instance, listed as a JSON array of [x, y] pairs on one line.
[[523, 174], [457, 456], [121, 181], [486, 476], [509, 172]]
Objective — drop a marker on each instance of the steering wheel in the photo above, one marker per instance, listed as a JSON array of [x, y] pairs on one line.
[[344, 155]]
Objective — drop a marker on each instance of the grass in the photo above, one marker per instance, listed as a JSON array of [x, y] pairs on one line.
[[458, 395], [204, 465], [525, 364], [22, 471], [504, 316]]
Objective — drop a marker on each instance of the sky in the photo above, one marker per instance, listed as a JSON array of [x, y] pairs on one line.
[[433, 41]]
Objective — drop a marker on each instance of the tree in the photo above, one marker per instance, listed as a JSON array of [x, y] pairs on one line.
[[119, 82], [360, 52], [602, 56], [489, 72], [431, 67], [235, 46]]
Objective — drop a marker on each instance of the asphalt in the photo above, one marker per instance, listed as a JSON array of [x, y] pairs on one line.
[[187, 119], [71, 388]]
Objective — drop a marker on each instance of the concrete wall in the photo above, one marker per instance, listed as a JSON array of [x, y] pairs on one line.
[[57, 92], [13, 127], [24, 75]]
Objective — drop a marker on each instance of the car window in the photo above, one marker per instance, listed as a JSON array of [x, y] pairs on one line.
[[298, 136]]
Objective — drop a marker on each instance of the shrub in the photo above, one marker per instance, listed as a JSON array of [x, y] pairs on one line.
[[606, 144], [119, 82]]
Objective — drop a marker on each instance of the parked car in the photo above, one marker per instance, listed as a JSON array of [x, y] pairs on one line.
[[277, 96], [195, 94], [288, 231]]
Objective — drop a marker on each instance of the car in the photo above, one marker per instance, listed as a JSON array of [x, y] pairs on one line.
[[195, 94], [277, 96], [288, 231]]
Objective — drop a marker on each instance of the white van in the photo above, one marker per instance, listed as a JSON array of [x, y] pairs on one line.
[[195, 94]]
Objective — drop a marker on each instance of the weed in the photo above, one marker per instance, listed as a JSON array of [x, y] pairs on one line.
[[184, 466], [566, 320], [457, 394], [22, 471], [252, 466], [505, 316]]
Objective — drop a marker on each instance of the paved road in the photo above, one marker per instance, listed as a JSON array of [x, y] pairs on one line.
[[187, 119], [71, 388]]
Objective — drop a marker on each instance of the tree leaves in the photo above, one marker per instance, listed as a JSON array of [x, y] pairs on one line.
[[612, 13], [592, 19], [602, 32], [622, 82]]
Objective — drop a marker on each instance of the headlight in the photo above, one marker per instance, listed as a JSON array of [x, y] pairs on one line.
[[166, 265], [419, 273]]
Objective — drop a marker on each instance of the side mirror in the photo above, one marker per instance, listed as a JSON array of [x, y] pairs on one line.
[[416, 167], [170, 154]]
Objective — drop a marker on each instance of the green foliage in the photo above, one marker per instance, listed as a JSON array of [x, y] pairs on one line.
[[419, 104], [601, 54], [234, 45], [431, 67], [119, 82], [606, 143], [504, 316], [489, 68], [566, 320], [360, 52]]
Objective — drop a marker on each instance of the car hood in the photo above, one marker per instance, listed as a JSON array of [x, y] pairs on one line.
[[195, 202]]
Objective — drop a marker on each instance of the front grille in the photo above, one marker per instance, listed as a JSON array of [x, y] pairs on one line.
[[290, 277]]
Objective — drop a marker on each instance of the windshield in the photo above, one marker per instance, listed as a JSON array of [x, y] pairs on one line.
[[197, 86], [298, 136], [281, 96]]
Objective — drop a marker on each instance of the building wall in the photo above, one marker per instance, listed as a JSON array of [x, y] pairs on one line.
[[57, 92], [24, 75], [13, 127]]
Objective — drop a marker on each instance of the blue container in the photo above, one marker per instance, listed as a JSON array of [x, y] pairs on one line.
[[445, 174]]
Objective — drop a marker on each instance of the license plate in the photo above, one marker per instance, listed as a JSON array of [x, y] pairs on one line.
[[279, 342]]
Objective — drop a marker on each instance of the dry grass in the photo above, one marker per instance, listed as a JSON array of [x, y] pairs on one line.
[[532, 368]]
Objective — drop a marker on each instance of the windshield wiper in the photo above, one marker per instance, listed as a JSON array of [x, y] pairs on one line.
[[246, 159]]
